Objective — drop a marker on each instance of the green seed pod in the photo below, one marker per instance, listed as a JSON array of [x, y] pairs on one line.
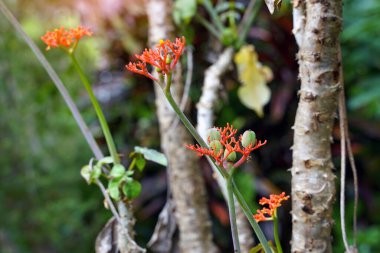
[[168, 59], [249, 137], [216, 146], [158, 69], [231, 157], [213, 135], [228, 36]]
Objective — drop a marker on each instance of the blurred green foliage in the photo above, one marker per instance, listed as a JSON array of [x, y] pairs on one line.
[[362, 79], [360, 48], [45, 205]]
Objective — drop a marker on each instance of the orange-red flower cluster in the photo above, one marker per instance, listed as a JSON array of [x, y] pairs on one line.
[[229, 145], [164, 58], [64, 38], [273, 202]]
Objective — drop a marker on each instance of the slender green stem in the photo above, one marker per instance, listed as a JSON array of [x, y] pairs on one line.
[[168, 82], [207, 25], [98, 110], [189, 126], [231, 18], [236, 191], [249, 17], [214, 16], [231, 210], [275, 232], [248, 213]]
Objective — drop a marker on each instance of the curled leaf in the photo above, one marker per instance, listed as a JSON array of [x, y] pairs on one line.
[[90, 173], [113, 189], [117, 171], [152, 155], [86, 173], [106, 160]]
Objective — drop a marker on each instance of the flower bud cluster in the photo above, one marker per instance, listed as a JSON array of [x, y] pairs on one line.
[[225, 148], [66, 38], [162, 58]]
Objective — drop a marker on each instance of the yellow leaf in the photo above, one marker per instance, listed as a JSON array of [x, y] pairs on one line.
[[254, 92]]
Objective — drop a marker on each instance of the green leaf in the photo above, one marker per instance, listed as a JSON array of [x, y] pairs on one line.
[[129, 173], [140, 162], [259, 248], [256, 249], [96, 172], [106, 160], [113, 189], [152, 155], [117, 171], [86, 173], [90, 175], [184, 11], [132, 189]]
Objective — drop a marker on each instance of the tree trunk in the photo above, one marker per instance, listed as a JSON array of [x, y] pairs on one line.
[[186, 180], [317, 24]]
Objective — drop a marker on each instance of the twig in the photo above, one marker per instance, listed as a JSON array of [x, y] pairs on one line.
[[345, 140], [342, 177], [355, 176], [343, 117]]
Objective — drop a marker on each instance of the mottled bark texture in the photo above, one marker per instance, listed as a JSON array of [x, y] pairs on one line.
[[126, 215], [317, 24], [186, 180], [205, 120]]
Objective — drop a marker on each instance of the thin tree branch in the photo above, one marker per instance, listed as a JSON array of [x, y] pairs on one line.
[[342, 176], [345, 140]]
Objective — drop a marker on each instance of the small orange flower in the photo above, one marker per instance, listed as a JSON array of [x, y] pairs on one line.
[[229, 145], [79, 32], [64, 38], [164, 58], [260, 216], [274, 202]]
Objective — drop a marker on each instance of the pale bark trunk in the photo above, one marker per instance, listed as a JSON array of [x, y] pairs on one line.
[[205, 120], [126, 215], [185, 176], [317, 24]]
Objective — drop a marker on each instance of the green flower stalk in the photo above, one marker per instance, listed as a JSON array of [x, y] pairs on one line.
[[68, 41], [270, 214], [222, 160]]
